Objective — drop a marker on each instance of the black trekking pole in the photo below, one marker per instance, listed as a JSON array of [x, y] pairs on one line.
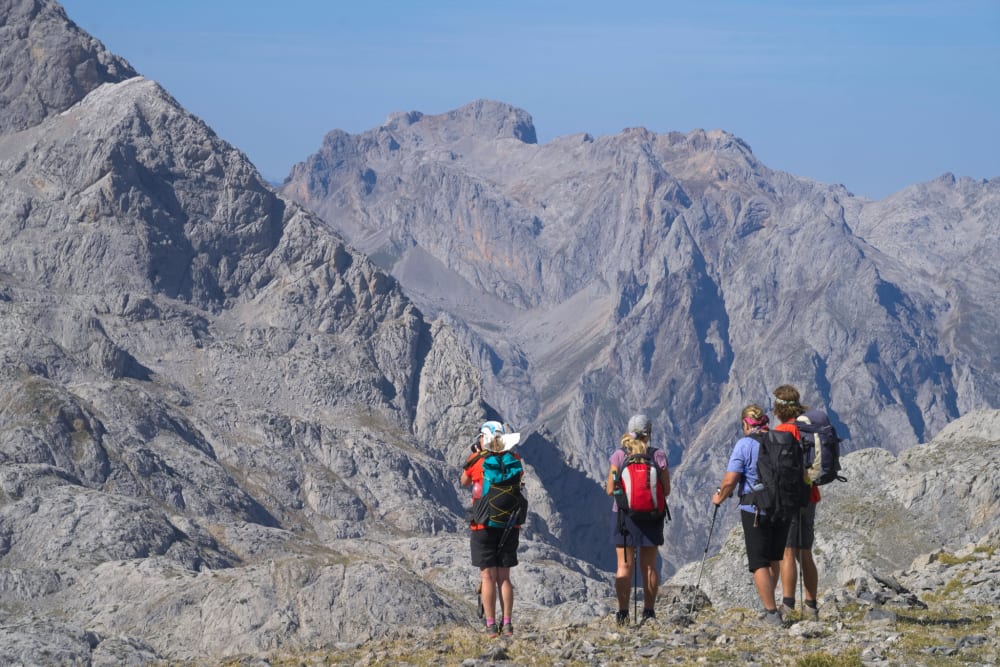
[[802, 570], [513, 518], [701, 569], [635, 582]]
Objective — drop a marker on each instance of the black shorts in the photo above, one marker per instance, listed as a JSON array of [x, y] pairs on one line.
[[765, 542], [805, 540], [647, 533], [485, 552]]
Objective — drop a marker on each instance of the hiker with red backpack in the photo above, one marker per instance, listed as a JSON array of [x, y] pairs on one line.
[[766, 469], [498, 510], [639, 481]]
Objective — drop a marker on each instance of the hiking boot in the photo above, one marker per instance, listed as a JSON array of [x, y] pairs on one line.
[[810, 613], [647, 616], [787, 611], [772, 617], [508, 630], [621, 618], [491, 631]]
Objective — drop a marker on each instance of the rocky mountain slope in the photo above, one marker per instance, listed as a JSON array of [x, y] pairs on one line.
[[592, 277], [893, 509], [897, 588], [227, 434], [221, 428]]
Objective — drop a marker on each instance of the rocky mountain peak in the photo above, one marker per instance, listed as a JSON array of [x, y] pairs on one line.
[[225, 433], [197, 374], [482, 119], [676, 274], [48, 63]]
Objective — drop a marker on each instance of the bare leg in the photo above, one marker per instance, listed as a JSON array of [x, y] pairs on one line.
[[765, 582], [506, 591], [489, 592], [810, 577], [650, 576], [623, 575], [789, 572], [775, 569]]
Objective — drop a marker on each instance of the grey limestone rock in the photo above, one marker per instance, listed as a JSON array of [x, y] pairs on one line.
[[893, 514], [205, 391], [48, 63], [674, 274], [226, 432]]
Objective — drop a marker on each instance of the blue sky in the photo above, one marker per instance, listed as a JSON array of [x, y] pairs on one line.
[[873, 95]]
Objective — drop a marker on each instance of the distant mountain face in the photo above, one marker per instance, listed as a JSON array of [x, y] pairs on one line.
[[201, 377], [225, 430], [673, 274]]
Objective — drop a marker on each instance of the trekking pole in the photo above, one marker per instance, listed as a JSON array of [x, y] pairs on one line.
[[635, 582], [715, 513], [802, 570]]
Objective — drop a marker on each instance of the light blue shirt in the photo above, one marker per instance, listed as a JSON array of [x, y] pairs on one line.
[[744, 461]]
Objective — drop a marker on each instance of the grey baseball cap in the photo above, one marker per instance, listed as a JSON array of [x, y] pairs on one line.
[[640, 424]]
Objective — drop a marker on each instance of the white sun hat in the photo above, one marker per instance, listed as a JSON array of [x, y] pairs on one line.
[[491, 429]]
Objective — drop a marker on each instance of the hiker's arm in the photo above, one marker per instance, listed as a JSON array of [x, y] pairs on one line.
[[610, 486], [725, 490], [466, 478], [665, 479]]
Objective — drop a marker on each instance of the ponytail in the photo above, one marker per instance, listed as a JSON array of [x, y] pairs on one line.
[[635, 443]]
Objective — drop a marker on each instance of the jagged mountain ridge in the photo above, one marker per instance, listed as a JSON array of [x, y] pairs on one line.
[[673, 274], [49, 64], [200, 382], [221, 428]]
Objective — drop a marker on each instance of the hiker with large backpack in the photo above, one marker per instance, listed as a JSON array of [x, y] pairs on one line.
[[639, 481], [765, 468], [495, 520], [800, 531], [821, 461]]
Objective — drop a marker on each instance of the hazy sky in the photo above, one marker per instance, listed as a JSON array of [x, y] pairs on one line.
[[874, 95]]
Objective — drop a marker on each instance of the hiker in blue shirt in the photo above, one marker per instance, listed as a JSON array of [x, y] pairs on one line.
[[764, 539]]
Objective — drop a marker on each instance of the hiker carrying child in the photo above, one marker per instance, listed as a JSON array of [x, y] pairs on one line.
[[639, 479], [495, 520]]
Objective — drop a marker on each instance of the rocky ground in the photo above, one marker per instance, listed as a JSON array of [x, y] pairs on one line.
[[944, 610], [226, 435]]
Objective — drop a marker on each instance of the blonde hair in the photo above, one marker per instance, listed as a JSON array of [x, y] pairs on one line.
[[635, 443], [495, 445], [753, 415]]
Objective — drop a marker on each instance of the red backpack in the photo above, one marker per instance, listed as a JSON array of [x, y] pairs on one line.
[[642, 486]]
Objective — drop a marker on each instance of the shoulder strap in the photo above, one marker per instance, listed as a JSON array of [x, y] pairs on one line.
[[759, 436], [787, 439], [476, 459], [651, 455]]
